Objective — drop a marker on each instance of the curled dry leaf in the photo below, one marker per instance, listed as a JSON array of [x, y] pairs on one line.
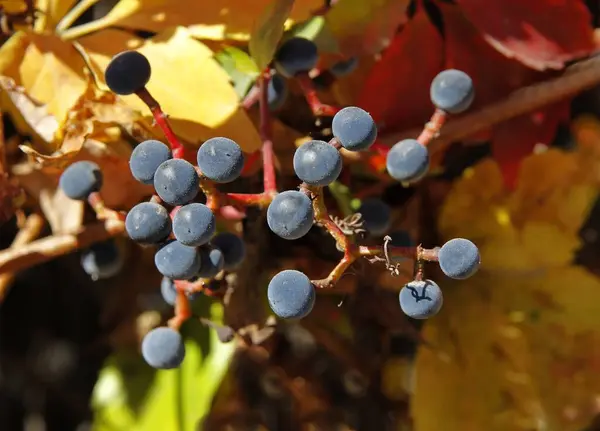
[[63, 214]]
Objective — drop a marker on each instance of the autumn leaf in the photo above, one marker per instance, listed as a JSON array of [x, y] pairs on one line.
[[267, 32], [193, 89]]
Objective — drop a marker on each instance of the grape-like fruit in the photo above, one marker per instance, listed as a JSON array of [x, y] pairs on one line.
[[146, 158], [194, 224], [354, 128], [344, 67], [102, 260], [401, 238], [81, 179], [148, 223], [163, 348], [177, 261], [296, 55], [452, 91], [317, 163], [408, 161], [459, 258], [291, 295], [376, 215], [211, 262], [290, 215], [176, 181], [421, 299], [220, 160], [127, 72], [233, 248], [277, 92]]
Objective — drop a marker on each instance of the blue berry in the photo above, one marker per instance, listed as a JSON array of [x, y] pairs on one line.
[[81, 179], [233, 248], [401, 238], [168, 292], [146, 158], [452, 91], [211, 262], [277, 92], [296, 55], [344, 67], [421, 299], [376, 215], [163, 348], [220, 160], [354, 128], [317, 163], [127, 72], [408, 161], [194, 224], [290, 215], [291, 295], [459, 258], [102, 260], [176, 182], [177, 261], [148, 223]]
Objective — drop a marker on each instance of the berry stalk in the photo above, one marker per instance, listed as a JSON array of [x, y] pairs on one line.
[[318, 108], [266, 134]]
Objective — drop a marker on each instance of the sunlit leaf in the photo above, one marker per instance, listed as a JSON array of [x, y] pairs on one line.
[[267, 31], [13, 6], [316, 29], [241, 68]]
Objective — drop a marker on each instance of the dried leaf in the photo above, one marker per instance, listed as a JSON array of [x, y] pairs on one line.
[[189, 84], [63, 214], [54, 11], [533, 32], [366, 27], [267, 31], [12, 7]]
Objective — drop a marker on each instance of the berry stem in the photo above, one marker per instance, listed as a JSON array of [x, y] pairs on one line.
[[161, 120], [266, 134], [246, 199], [318, 108], [251, 98], [433, 127], [183, 310], [102, 212]]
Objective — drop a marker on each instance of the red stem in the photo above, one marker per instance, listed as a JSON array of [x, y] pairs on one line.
[[160, 119], [432, 128], [266, 134], [251, 98], [318, 108]]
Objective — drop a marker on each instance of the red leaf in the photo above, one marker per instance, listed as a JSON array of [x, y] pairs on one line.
[[542, 34], [396, 93], [515, 139]]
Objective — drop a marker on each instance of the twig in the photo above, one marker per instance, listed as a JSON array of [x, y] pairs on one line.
[[31, 230], [73, 15]]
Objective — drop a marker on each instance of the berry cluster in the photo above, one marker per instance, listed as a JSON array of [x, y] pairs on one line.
[[190, 252]]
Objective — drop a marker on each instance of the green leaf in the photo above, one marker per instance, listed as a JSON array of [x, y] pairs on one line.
[[174, 399], [317, 30], [240, 67], [267, 32]]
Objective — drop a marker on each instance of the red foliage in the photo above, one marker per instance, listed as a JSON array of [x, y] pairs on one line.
[[502, 44]]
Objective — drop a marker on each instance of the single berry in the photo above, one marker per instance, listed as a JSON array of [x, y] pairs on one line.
[[163, 348], [277, 92], [220, 160], [452, 91], [401, 238], [194, 224], [376, 215], [176, 182], [291, 295], [354, 128], [233, 248], [80, 180], [459, 258], [177, 261], [102, 260], [211, 262], [408, 161], [127, 72], [146, 158], [421, 299], [296, 55], [317, 163], [148, 223], [344, 67], [290, 215]]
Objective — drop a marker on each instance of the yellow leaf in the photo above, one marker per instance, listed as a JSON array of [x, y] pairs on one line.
[[50, 70], [267, 31], [12, 7], [366, 26], [53, 12], [217, 20], [193, 90]]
